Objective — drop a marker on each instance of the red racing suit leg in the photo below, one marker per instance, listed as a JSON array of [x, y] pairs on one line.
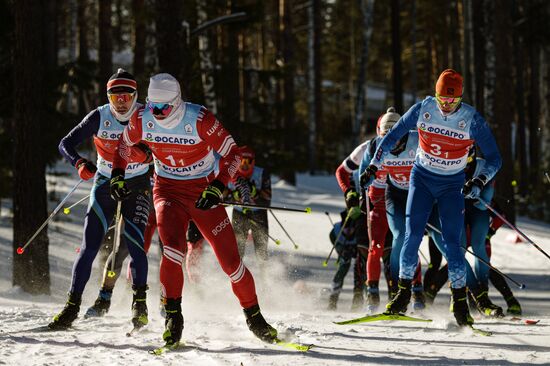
[[175, 206], [379, 229]]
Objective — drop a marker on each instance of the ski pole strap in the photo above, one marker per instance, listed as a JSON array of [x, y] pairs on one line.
[[259, 207], [513, 227]]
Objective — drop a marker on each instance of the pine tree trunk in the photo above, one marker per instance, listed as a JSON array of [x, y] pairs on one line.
[[289, 71], [534, 116], [396, 56], [502, 85], [168, 37], [479, 30], [140, 34], [31, 269], [105, 45], [206, 64]]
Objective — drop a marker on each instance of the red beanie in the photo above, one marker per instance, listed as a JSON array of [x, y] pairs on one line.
[[449, 84]]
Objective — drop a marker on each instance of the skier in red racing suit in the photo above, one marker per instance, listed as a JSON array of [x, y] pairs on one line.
[[184, 138]]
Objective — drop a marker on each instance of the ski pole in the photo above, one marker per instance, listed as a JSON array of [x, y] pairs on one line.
[[547, 176], [244, 205], [520, 285], [325, 263], [513, 227], [67, 210], [276, 241], [329, 218], [282, 227], [20, 250], [118, 231]]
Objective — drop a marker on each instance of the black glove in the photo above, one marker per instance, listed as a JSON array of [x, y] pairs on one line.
[[352, 203], [352, 198], [472, 189], [490, 233], [119, 190], [368, 176], [245, 190], [211, 196]]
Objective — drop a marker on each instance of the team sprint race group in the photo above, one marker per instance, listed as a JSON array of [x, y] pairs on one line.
[[170, 166]]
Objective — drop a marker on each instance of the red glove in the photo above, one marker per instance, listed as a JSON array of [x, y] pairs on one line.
[[86, 169], [141, 153]]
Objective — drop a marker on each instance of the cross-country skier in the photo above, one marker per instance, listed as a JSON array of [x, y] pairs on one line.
[[105, 124], [347, 177], [377, 216], [398, 164], [183, 138], [251, 185], [447, 130], [345, 243]]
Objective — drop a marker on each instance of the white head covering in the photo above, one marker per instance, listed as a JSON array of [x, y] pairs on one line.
[[164, 88], [387, 120]]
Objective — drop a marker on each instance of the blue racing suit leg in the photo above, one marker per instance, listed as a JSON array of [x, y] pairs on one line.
[[396, 202], [419, 205]]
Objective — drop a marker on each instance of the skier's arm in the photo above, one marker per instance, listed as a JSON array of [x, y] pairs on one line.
[[343, 173], [128, 141], [264, 196], [365, 161], [484, 138], [212, 131], [402, 127], [87, 128]]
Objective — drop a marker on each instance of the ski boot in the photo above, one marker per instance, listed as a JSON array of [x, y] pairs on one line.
[[484, 304], [139, 306], [101, 304], [357, 301], [459, 307], [399, 303], [67, 316], [373, 299], [332, 301], [514, 308], [173, 323], [418, 300], [429, 294], [257, 324]]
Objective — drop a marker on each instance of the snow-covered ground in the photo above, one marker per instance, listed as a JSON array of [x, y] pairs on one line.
[[291, 295]]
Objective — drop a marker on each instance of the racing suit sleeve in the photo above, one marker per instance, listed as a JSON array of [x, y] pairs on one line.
[[216, 136], [484, 138], [87, 128], [402, 127]]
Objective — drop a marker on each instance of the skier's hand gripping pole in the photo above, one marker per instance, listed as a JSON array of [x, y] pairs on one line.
[[118, 230], [20, 250], [519, 285], [282, 227], [513, 227]]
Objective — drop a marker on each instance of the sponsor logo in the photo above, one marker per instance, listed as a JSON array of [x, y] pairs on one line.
[[462, 124], [427, 116], [445, 132], [104, 134], [218, 229], [189, 129], [399, 162], [136, 220], [213, 128], [412, 153], [148, 137], [422, 126], [162, 203], [175, 140], [107, 123], [183, 169], [150, 125], [442, 162]]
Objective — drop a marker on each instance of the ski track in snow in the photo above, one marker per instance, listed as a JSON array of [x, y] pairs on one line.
[[292, 297]]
